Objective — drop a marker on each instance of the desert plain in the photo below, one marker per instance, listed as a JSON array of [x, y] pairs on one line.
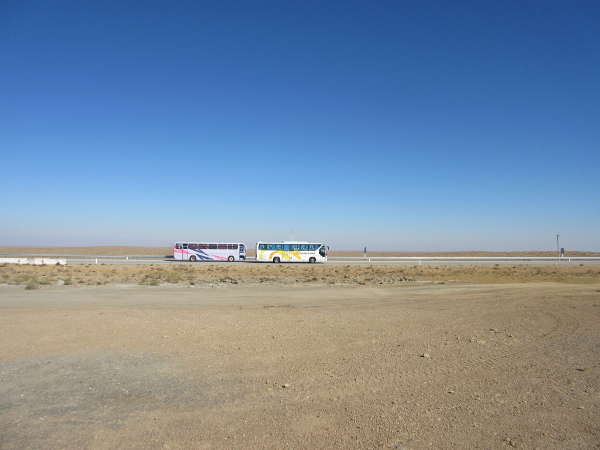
[[263, 356]]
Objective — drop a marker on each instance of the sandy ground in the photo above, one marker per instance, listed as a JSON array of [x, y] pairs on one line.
[[168, 251], [274, 360]]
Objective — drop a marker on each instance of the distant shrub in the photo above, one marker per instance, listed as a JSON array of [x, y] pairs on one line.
[[32, 285], [150, 280]]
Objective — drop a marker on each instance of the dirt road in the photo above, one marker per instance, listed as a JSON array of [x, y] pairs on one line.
[[301, 367]]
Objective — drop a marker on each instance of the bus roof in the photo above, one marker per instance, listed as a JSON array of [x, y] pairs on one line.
[[206, 242], [287, 242]]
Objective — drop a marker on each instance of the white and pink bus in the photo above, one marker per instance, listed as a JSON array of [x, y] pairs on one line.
[[201, 251]]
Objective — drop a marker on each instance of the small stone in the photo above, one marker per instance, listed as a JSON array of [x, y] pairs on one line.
[[425, 355], [285, 386], [60, 282]]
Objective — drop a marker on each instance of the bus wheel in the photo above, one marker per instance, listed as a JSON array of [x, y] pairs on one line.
[[312, 260], [230, 259], [192, 258], [276, 260]]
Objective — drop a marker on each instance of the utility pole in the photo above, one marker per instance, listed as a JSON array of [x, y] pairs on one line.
[[292, 235], [558, 244]]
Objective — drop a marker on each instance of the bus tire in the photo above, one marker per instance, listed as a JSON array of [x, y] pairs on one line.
[[312, 259], [276, 260], [231, 259], [192, 258]]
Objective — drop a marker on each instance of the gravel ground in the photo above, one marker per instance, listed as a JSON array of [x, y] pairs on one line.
[[302, 365]]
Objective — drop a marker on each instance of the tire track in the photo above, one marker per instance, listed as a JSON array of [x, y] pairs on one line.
[[564, 326]]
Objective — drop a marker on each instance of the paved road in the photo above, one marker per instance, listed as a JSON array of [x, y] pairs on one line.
[[460, 262]]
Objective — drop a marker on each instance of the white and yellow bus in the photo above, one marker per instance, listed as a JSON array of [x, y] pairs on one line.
[[291, 252]]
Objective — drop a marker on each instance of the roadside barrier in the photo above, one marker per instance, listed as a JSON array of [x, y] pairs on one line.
[[36, 261]]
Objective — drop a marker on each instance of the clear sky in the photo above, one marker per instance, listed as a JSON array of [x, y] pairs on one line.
[[395, 125]]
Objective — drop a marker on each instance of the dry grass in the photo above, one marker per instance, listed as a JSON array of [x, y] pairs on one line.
[[208, 274]]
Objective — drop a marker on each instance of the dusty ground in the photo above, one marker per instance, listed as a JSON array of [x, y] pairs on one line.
[[168, 251], [303, 357]]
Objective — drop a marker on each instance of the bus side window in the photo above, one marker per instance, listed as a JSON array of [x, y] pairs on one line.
[[185, 246], [178, 246], [212, 246], [203, 246]]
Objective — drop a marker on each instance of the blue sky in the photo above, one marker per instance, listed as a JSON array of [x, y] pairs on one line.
[[408, 126]]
